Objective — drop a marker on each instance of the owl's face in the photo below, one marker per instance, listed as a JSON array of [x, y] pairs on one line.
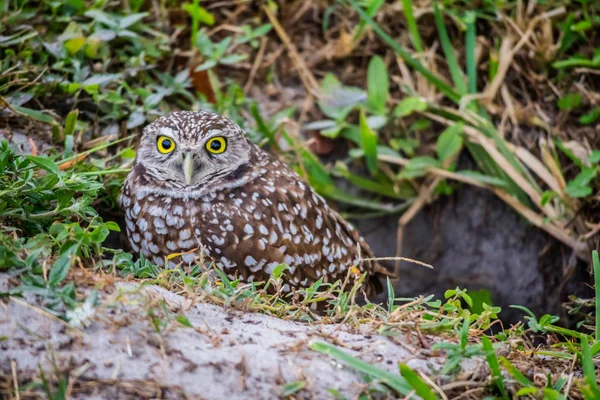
[[190, 151]]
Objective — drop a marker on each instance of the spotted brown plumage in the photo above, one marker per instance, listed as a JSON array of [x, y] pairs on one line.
[[199, 185]]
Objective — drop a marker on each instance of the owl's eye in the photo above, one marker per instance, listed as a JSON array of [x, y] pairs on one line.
[[165, 145], [216, 145]]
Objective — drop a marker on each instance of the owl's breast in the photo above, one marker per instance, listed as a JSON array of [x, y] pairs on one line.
[[161, 227]]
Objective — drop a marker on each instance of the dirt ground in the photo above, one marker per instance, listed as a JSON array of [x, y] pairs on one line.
[[227, 353]]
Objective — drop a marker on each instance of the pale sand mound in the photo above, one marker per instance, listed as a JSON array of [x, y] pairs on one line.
[[229, 353]]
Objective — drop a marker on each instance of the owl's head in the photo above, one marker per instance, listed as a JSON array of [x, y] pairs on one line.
[[191, 151]]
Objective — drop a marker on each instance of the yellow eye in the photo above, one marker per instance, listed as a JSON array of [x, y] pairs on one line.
[[165, 144], [216, 145]]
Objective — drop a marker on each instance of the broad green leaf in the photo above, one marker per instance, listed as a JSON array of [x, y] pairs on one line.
[[578, 187], [368, 140], [336, 101], [378, 85], [409, 105], [450, 141], [113, 226], [279, 270], [569, 102], [44, 163], [70, 122], [131, 19], [74, 45], [61, 266], [590, 117], [594, 157]]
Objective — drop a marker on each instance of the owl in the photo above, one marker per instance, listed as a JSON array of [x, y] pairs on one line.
[[200, 186]]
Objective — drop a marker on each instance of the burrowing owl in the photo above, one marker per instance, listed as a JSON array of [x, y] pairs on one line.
[[199, 184]]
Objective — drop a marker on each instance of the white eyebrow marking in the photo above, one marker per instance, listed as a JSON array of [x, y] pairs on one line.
[[166, 131], [213, 132]]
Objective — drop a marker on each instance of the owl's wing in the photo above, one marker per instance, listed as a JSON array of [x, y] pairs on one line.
[[281, 219]]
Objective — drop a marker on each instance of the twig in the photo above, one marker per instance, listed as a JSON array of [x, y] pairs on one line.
[[13, 366], [306, 76], [256, 64]]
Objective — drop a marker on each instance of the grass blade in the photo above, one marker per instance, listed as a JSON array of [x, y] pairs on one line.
[[518, 375], [455, 71], [430, 76], [421, 388], [368, 140], [391, 295], [470, 51], [590, 389], [492, 360], [396, 382], [597, 289], [413, 30]]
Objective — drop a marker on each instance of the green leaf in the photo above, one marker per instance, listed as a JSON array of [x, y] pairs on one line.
[[526, 391], [417, 167], [450, 141], [409, 105], [378, 85], [70, 122], [74, 45], [45, 164], [552, 394], [368, 140], [112, 226], [578, 191], [278, 270], [590, 117], [594, 157], [420, 387], [61, 266], [569, 102], [182, 319], [131, 20], [336, 101], [578, 187], [292, 388]]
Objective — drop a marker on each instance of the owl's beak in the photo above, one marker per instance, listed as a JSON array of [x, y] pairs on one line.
[[188, 168]]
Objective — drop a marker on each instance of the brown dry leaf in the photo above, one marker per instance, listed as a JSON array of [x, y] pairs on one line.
[[320, 145], [70, 163], [578, 149], [345, 44], [202, 84]]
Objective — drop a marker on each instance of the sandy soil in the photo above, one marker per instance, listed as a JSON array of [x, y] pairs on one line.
[[227, 353]]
